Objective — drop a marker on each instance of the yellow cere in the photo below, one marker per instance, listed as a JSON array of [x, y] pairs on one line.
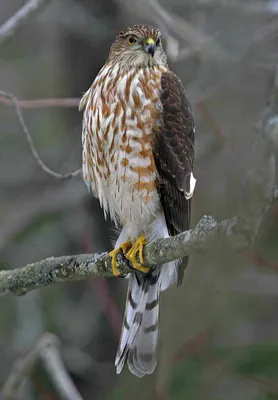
[[150, 41]]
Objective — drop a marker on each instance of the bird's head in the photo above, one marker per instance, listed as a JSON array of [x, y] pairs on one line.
[[138, 46]]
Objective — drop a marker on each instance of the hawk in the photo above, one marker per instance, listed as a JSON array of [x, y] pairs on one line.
[[138, 152]]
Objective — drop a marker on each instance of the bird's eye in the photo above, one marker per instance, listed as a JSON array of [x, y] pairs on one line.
[[157, 42], [131, 40]]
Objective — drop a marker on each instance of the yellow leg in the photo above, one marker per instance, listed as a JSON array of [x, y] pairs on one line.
[[114, 253], [137, 249]]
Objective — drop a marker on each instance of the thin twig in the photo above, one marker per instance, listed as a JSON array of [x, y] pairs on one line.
[[54, 366], [170, 23], [43, 103], [9, 28], [26, 132], [46, 350]]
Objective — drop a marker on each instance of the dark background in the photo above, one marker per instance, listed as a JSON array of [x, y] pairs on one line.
[[219, 331]]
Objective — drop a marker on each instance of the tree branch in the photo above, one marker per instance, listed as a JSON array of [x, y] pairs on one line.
[[46, 350], [77, 267], [26, 133], [8, 29], [196, 39]]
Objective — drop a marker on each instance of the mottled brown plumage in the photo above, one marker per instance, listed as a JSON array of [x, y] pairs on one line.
[[173, 148], [138, 151]]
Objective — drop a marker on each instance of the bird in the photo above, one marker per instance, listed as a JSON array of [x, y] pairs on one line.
[[138, 134]]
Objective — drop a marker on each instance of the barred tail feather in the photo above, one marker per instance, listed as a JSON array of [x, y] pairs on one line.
[[138, 343], [142, 357], [134, 301]]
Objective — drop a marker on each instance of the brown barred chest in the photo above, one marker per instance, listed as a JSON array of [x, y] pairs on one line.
[[123, 114]]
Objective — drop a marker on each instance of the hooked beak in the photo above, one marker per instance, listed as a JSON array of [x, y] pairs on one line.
[[150, 46]]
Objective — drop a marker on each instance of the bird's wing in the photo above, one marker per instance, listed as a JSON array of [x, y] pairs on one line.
[[173, 150]]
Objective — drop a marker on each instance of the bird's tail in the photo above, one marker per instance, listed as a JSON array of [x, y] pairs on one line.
[[139, 337]]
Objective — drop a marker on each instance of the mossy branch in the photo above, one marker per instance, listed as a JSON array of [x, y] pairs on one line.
[[77, 267]]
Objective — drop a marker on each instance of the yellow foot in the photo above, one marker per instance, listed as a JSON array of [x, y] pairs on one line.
[[114, 254], [137, 249]]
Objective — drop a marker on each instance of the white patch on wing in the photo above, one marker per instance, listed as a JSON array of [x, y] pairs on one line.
[[192, 185]]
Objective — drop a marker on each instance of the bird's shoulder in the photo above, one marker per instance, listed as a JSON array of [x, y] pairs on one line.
[[173, 94]]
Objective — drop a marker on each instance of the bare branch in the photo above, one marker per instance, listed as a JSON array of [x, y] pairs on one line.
[[46, 350], [26, 132], [206, 234], [43, 103], [171, 23], [196, 39], [53, 364], [9, 28]]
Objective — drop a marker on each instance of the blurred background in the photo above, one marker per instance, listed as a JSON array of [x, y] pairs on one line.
[[219, 331]]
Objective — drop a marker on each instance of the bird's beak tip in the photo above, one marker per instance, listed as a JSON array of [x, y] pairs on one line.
[[150, 46]]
